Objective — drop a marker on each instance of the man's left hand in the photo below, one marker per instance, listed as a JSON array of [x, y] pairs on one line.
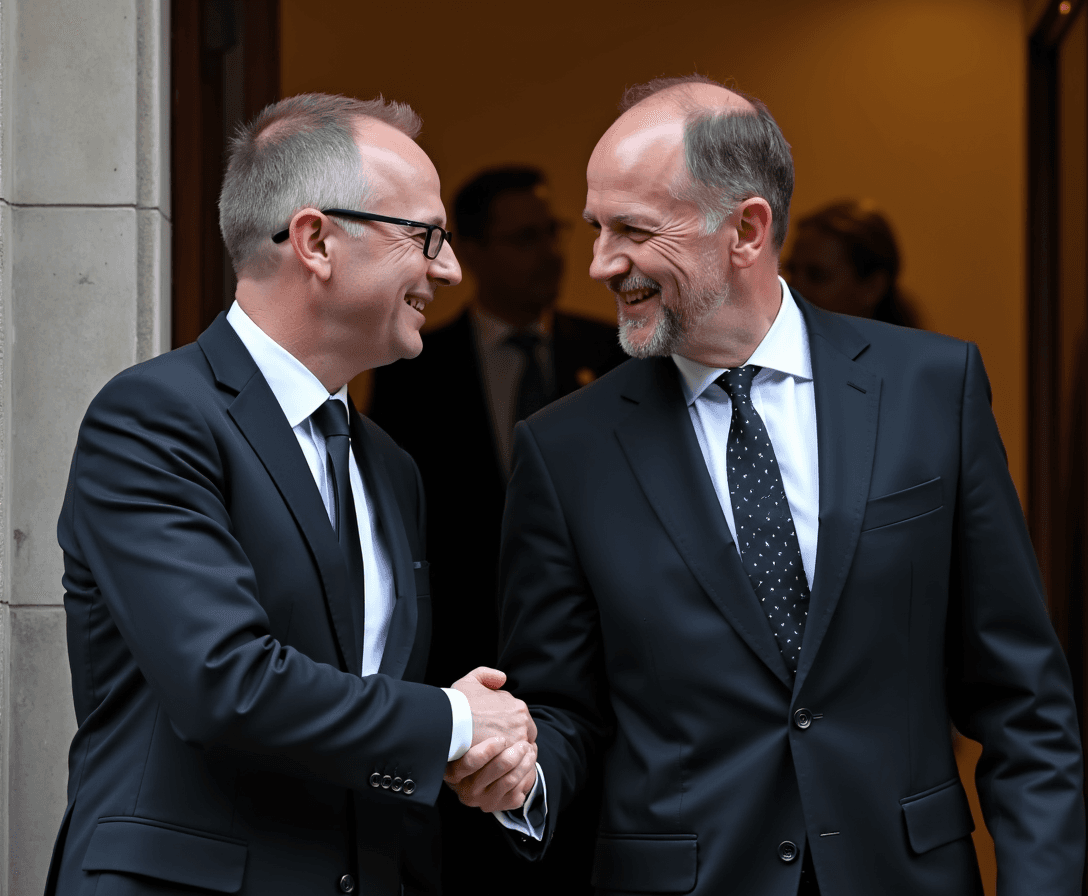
[[492, 776]]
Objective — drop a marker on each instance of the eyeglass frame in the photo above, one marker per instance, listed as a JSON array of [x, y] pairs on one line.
[[385, 219]]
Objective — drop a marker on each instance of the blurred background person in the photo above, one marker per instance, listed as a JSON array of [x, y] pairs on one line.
[[454, 409], [845, 258]]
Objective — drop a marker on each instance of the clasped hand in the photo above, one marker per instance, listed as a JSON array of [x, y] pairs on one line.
[[499, 769]]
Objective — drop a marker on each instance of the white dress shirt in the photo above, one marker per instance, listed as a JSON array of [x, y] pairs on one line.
[[784, 396], [501, 367], [299, 394]]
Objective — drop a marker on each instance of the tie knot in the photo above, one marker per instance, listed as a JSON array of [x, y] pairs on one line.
[[525, 341], [738, 382], [331, 418]]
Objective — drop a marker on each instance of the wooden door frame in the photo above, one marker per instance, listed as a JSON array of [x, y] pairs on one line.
[[1056, 517], [202, 31]]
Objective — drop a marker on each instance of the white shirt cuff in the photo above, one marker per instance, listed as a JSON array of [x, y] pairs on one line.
[[519, 819], [461, 739]]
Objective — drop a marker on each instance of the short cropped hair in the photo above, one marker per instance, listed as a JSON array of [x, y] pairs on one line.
[[731, 155], [298, 152], [472, 203]]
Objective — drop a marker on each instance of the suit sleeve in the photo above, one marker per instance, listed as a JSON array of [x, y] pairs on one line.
[[550, 633], [1009, 685], [149, 546]]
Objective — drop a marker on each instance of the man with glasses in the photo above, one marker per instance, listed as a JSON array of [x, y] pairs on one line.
[[246, 576], [506, 356]]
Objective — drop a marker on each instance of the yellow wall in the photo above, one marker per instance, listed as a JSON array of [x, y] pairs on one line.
[[919, 106]]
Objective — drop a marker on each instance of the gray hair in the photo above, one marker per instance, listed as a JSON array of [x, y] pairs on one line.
[[731, 155], [296, 153]]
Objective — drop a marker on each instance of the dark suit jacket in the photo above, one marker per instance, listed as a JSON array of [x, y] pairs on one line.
[[436, 409], [226, 739], [627, 610]]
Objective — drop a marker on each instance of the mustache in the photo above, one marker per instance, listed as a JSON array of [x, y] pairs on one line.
[[632, 283]]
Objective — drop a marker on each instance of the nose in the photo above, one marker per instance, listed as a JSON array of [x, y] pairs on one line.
[[446, 269], [608, 258]]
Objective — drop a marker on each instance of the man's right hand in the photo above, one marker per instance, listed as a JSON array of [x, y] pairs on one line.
[[495, 712]]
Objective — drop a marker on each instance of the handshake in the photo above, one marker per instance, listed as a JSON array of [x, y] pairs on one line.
[[499, 770]]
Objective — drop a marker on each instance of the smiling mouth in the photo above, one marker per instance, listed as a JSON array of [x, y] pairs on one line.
[[633, 290], [418, 304], [637, 296]]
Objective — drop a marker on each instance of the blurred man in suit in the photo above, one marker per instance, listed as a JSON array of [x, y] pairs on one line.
[[454, 411], [245, 567], [763, 564]]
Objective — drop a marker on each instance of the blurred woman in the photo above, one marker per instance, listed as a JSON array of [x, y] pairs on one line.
[[844, 258]]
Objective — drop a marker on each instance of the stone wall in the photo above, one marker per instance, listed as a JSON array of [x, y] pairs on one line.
[[84, 293]]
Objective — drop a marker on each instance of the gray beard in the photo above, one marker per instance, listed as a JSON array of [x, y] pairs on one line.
[[673, 325], [665, 339]]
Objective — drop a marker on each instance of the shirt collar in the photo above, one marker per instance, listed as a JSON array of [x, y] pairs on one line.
[[297, 390], [784, 349]]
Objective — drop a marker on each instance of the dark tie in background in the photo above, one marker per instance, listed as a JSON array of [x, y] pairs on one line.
[[532, 393], [765, 531], [332, 419]]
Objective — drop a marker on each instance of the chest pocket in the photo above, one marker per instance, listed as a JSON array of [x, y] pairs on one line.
[[898, 507]]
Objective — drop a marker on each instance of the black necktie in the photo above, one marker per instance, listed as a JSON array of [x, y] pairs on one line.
[[765, 531], [332, 419], [532, 394]]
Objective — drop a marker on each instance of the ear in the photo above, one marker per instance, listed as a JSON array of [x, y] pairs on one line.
[[749, 231], [309, 232]]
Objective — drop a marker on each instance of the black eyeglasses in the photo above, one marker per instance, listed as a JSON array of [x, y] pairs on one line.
[[431, 246]]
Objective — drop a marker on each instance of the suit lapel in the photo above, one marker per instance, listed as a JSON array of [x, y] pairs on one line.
[[660, 445], [847, 403], [402, 623], [260, 420]]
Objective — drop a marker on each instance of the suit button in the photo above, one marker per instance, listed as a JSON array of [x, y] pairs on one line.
[[387, 781], [397, 784], [376, 780], [409, 786], [787, 850], [802, 718], [347, 884]]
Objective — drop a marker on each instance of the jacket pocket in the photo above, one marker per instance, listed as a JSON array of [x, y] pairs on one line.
[[901, 506], [645, 863], [167, 852], [937, 816]]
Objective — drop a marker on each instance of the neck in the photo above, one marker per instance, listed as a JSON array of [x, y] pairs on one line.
[[281, 315], [730, 334]]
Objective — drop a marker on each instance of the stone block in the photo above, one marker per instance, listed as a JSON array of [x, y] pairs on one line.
[[153, 104], [153, 284], [73, 319], [73, 77], [5, 106], [42, 724]]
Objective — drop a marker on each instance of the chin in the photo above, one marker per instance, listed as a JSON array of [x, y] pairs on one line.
[[651, 337]]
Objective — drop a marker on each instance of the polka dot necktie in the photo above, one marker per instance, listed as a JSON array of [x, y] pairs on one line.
[[765, 533]]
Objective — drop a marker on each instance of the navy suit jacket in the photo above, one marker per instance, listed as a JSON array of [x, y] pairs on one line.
[[226, 738], [631, 629]]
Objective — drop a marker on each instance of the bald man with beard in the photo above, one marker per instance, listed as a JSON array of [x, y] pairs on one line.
[[760, 568]]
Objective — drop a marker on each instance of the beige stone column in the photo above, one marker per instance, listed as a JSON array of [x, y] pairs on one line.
[[84, 293]]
